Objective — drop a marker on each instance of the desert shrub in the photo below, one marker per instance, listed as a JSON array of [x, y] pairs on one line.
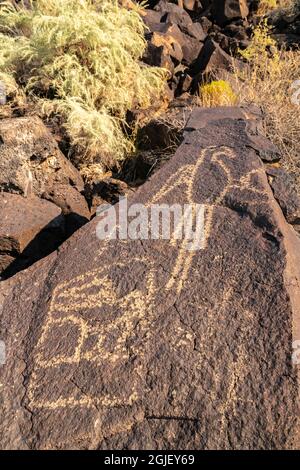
[[258, 51], [217, 93], [268, 81], [267, 6], [11, 95], [81, 60]]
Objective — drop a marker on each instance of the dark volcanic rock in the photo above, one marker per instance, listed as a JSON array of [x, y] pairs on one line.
[[31, 163], [145, 344], [201, 38], [158, 56], [288, 40], [172, 13], [107, 190], [227, 10], [30, 228], [213, 58], [191, 5], [173, 43], [286, 27], [285, 193]]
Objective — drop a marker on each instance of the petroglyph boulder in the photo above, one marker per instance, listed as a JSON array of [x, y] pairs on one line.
[[145, 344]]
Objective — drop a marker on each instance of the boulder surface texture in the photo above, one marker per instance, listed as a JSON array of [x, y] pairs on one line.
[[147, 345]]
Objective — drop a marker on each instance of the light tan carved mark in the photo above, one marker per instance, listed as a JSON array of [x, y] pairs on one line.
[[73, 301]]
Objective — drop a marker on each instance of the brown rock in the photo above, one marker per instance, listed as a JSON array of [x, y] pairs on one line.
[[224, 41], [205, 23], [108, 190], [30, 227], [289, 40], [212, 58], [151, 17], [170, 41], [147, 345], [172, 13], [227, 10], [157, 141], [191, 5], [31, 163], [179, 46], [158, 56], [185, 83], [5, 261], [285, 193], [191, 49]]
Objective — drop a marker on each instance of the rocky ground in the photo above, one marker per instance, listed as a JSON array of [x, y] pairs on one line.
[[144, 344], [202, 39]]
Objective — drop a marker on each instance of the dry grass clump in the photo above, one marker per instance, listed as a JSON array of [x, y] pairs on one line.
[[266, 6], [11, 95], [277, 7], [81, 60], [271, 82], [217, 93]]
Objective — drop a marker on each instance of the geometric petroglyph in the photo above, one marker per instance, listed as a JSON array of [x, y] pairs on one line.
[[136, 308], [112, 337]]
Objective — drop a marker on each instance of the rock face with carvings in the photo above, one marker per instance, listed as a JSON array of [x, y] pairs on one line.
[[149, 344]]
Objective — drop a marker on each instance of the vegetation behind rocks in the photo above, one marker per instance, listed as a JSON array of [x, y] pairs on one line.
[[80, 61], [270, 81]]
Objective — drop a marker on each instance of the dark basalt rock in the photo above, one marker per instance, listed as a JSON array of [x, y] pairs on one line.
[[288, 40], [146, 345], [30, 228], [285, 193], [106, 191], [286, 28], [173, 43], [227, 10], [36, 181], [200, 38], [31, 163]]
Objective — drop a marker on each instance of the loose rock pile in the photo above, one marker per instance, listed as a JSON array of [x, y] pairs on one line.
[[129, 344], [194, 38], [286, 28], [41, 192], [197, 40]]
